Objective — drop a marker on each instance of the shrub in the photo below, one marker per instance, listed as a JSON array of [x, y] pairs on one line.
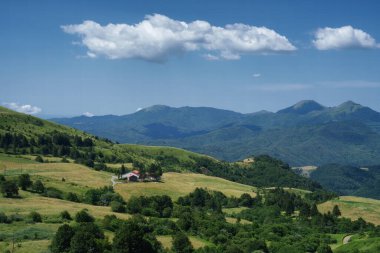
[[9, 189], [116, 206], [38, 186], [3, 218], [83, 216], [35, 217], [39, 159], [24, 181], [65, 215]]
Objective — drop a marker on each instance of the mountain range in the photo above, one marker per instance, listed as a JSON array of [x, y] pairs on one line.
[[306, 133]]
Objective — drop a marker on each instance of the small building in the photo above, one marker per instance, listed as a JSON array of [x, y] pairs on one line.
[[133, 176]]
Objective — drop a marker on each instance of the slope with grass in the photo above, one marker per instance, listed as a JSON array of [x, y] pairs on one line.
[[354, 208], [179, 184]]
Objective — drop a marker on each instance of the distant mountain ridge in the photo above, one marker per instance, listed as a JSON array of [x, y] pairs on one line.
[[306, 133]]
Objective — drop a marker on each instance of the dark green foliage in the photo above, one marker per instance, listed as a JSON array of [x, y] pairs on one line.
[[349, 180], [336, 212], [65, 215], [4, 218], [9, 189], [117, 206], [52, 192], [70, 196], [39, 159], [181, 243], [102, 196], [87, 238], [62, 239], [157, 206], [324, 248], [35, 217], [83, 217], [24, 181], [38, 186], [134, 237]]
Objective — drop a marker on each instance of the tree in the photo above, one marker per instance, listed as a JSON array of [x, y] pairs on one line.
[[83, 216], [24, 181], [87, 238], [336, 212], [62, 239], [9, 189], [181, 243], [324, 248], [38, 186], [131, 238]]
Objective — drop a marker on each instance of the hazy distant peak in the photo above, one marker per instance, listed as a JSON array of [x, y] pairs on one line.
[[155, 108], [350, 105], [303, 107]]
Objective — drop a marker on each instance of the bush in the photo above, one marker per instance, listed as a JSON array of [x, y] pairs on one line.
[[116, 206], [9, 189], [35, 217], [24, 181], [38, 187], [52, 192], [70, 196], [65, 215], [3, 218], [83, 216], [39, 159]]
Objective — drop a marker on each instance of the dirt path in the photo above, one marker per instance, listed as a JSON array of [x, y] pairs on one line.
[[113, 180], [346, 239]]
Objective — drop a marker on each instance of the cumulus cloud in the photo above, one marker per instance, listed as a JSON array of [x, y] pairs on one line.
[[158, 37], [343, 37], [88, 114], [28, 109]]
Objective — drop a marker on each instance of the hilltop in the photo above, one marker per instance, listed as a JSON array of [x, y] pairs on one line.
[[306, 133]]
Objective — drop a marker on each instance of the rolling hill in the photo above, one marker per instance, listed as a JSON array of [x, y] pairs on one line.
[[22, 134], [306, 133]]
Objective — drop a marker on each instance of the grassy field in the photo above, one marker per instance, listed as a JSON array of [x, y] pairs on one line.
[[166, 241], [35, 246], [355, 207], [180, 184], [50, 206], [367, 245]]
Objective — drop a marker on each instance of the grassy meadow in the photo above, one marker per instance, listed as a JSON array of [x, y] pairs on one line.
[[179, 184], [355, 207]]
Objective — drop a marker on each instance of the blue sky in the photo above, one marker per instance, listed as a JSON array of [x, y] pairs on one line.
[[54, 63]]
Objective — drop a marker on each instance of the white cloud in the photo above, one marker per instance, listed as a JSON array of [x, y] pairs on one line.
[[88, 114], [158, 37], [256, 75], [211, 57], [343, 37], [28, 109]]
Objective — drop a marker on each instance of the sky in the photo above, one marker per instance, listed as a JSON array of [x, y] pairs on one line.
[[66, 58]]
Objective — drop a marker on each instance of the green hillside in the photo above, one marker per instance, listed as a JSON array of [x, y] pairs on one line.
[[349, 180], [23, 134]]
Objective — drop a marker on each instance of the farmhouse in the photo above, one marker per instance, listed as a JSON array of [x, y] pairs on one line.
[[133, 176]]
